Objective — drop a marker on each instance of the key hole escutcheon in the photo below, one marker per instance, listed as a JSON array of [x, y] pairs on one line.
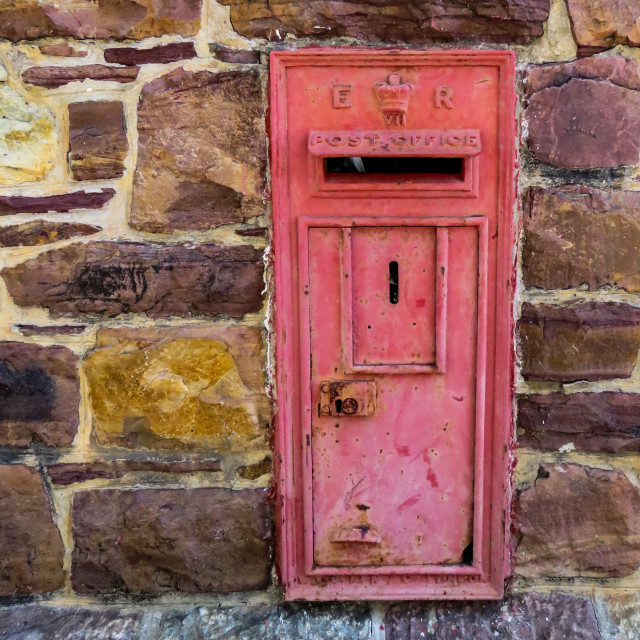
[[393, 282]]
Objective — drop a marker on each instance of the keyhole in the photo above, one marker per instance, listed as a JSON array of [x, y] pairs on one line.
[[338, 406], [393, 282]]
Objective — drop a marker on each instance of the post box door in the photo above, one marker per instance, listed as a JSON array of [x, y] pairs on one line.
[[393, 488]]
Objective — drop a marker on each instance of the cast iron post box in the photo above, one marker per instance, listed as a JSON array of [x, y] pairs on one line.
[[392, 183]]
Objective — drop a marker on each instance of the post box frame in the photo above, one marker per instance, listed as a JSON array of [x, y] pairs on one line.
[[485, 579]]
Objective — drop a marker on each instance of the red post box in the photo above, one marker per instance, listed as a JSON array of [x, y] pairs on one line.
[[392, 185]]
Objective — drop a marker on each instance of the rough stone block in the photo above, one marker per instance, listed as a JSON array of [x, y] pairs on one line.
[[31, 546], [61, 203], [581, 341], [234, 56], [61, 50], [603, 422], [391, 21], [157, 540], [342, 621], [187, 388], [97, 140], [208, 170], [162, 54], [135, 19], [577, 235], [39, 395], [623, 72], [566, 124], [53, 77], [534, 616], [33, 234], [67, 473], [601, 25], [28, 141], [578, 521], [113, 278]]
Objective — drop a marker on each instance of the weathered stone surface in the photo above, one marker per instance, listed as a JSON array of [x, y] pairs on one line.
[[582, 341], [30, 234], [622, 72], [31, 558], [107, 19], [618, 615], [286, 622], [97, 140], [186, 388], [39, 395], [132, 56], [556, 616], [256, 470], [27, 138], [601, 25], [62, 50], [208, 170], [61, 203], [52, 77], [252, 232], [605, 422], [72, 472], [578, 521], [565, 122], [158, 540], [237, 56], [577, 235], [391, 21], [112, 278], [50, 330]]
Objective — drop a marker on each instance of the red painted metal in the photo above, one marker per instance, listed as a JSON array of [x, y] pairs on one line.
[[393, 320]]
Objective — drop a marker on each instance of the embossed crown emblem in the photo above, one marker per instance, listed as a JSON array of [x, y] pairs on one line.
[[393, 96]]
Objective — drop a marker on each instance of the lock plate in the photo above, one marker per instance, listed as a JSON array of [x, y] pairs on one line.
[[347, 398]]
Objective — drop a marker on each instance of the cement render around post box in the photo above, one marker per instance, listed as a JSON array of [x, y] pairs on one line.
[[428, 204]]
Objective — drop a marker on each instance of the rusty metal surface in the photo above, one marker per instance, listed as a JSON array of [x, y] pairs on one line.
[[392, 231]]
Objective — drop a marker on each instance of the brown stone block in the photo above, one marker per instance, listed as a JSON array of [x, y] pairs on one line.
[[153, 541], [33, 234], [237, 56], [61, 203], [582, 341], [208, 170], [190, 388], [62, 50], [39, 395], [73, 472], [601, 25], [32, 552], [566, 123], [391, 21], [255, 470], [113, 278], [577, 235], [97, 140], [622, 72], [578, 521], [162, 54], [603, 422], [53, 77], [50, 330], [105, 19]]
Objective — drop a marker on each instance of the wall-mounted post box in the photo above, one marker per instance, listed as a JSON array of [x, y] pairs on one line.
[[392, 182]]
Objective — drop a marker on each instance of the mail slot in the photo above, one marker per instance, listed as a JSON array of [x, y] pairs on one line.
[[392, 192]]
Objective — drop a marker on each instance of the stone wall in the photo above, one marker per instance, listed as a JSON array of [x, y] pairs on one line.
[[135, 411]]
